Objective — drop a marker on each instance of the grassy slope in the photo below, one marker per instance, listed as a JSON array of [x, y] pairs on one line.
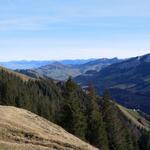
[[23, 130], [135, 117]]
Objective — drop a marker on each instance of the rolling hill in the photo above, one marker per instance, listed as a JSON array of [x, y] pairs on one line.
[[128, 81]]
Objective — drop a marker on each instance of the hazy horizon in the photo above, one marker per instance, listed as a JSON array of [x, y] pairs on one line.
[[28, 60]]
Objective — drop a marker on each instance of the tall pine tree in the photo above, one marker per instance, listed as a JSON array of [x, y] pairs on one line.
[[118, 135], [72, 114], [96, 133]]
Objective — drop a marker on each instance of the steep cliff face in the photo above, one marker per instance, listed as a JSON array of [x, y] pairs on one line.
[[23, 130]]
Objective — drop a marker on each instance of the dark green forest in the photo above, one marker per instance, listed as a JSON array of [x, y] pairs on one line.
[[94, 119]]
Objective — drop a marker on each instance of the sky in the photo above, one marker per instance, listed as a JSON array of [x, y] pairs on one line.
[[73, 29]]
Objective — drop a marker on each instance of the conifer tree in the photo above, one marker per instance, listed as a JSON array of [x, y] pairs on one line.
[[96, 133], [144, 141], [117, 134], [73, 118]]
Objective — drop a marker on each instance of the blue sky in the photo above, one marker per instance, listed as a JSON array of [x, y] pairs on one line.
[[62, 29]]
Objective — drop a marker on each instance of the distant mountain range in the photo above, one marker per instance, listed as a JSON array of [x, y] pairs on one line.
[[62, 70], [23, 64], [128, 82]]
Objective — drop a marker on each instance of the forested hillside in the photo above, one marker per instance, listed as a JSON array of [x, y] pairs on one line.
[[127, 81], [94, 119]]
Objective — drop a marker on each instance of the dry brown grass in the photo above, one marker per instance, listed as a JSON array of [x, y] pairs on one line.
[[135, 117], [23, 130]]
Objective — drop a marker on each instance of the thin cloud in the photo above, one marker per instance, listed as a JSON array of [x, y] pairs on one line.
[[28, 23]]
